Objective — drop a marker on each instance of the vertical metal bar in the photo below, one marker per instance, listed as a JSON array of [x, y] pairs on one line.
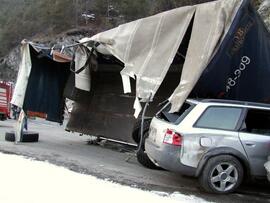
[[142, 123]]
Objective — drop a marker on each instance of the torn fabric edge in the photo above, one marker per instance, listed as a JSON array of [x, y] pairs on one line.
[[148, 82], [137, 106], [188, 82], [142, 79], [82, 79], [120, 43], [23, 75], [126, 84]]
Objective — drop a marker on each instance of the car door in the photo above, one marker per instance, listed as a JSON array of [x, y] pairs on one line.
[[216, 127], [255, 138]]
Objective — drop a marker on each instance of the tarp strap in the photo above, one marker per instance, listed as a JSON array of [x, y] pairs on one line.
[[88, 61]]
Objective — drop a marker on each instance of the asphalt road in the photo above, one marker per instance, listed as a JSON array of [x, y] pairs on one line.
[[109, 161]]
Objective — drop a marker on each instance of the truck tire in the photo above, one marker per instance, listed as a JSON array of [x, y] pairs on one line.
[[142, 157], [10, 136], [136, 132], [3, 117], [221, 174], [27, 136]]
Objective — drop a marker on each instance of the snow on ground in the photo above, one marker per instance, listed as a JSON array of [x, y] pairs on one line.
[[27, 181], [267, 166]]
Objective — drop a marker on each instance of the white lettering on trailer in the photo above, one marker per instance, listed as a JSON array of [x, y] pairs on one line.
[[232, 81]]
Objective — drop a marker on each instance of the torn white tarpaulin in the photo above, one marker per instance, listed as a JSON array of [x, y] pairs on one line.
[[148, 46], [23, 75], [206, 36], [82, 79], [267, 167], [126, 84], [137, 106]]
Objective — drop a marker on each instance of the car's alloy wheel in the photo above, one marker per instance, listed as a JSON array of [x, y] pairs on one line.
[[221, 174], [224, 177]]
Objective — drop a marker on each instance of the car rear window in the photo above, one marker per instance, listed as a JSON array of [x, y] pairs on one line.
[[176, 117], [225, 118]]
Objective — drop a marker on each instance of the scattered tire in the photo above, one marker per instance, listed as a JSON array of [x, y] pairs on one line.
[[10, 136], [27, 136], [221, 174]]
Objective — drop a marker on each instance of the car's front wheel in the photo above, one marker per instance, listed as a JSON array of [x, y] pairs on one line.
[[221, 174]]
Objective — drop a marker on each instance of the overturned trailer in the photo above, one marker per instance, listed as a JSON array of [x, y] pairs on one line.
[[213, 50]]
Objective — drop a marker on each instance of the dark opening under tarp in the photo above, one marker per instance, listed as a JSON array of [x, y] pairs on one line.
[[45, 87]]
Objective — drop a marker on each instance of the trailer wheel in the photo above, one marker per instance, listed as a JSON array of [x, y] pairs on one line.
[[142, 156], [27, 136], [137, 128]]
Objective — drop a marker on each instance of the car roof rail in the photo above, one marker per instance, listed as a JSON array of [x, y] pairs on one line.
[[237, 102]]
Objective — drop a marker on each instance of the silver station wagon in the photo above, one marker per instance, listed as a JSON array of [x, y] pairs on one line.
[[219, 141]]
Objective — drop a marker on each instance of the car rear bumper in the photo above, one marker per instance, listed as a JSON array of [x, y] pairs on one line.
[[167, 157]]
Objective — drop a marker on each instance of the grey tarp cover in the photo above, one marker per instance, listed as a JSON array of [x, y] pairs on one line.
[[147, 46]]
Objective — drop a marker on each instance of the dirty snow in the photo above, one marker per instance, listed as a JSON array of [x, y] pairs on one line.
[[28, 181], [267, 166]]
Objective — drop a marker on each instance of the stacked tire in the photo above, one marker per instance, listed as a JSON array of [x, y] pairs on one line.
[[27, 136]]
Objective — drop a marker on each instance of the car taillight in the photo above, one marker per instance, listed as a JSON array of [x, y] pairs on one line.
[[173, 138]]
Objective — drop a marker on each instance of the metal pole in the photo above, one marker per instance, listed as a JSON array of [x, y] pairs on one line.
[[142, 123]]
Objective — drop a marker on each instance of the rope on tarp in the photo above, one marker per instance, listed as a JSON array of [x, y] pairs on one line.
[[62, 47], [88, 61]]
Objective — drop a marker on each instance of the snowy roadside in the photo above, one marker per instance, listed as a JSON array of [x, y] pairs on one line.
[[28, 181], [267, 166]]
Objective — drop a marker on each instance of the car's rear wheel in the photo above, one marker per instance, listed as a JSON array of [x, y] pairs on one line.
[[221, 174], [143, 158]]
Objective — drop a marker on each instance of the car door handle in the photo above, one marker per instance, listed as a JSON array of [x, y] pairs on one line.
[[250, 144]]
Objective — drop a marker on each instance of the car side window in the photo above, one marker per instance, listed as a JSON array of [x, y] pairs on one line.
[[216, 117], [257, 122]]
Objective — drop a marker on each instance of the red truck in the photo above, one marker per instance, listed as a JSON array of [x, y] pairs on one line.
[[5, 98]]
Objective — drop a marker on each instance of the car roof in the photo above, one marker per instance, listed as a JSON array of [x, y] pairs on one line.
[[235, 103]]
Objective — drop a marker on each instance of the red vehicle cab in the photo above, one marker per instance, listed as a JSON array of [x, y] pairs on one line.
[[5, 98]]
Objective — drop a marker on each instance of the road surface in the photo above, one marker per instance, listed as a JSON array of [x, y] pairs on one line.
[[109, 161]]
